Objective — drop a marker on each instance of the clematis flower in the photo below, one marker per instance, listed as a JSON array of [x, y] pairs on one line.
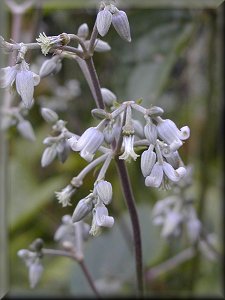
[[88, 143], [168, 132], [128, 142], [161, 171], [24, 79]]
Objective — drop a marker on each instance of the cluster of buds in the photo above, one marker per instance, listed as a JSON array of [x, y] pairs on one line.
[[96, 202], [57, 145], [110, 14]]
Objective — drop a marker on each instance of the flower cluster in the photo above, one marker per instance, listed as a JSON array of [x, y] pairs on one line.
[[96, 202], [57, 144], [175, 215]]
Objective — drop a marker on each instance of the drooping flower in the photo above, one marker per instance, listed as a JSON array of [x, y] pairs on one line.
[[47, 42], [168, 132], [161, 171], [103, 189], [24, 80], [100, 219], [88, 143], [128, 142]]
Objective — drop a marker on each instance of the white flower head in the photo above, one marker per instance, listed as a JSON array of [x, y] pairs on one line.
[[65, 195], [128, 142], [168, 132], [47, 42], [88, 143]]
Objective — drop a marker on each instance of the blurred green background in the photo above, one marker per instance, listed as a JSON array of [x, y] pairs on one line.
[[175, 62]]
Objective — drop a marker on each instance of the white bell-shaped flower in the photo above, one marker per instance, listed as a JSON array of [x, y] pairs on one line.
[[88, 143], [150, 131], [35, 272], [100, 219], [103, 21], [121, 25], [168, 132], [128, 143], [82, 209]]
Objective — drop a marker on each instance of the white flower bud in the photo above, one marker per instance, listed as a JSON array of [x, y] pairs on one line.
[[103, 21], [49, 115], [48, 155], [101, 46], [108, 96], [121, 24], [50, 66], [150, 131], [26, 130], [148, 159], [109, 133], [82, 209], [35, 272], [103, 189], [83, 31]]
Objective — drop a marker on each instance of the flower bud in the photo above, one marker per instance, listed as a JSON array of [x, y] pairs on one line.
[[48, 155], [108, 96], [150, 131], [99, 113], [103, 21], [138, 128], [50, 66], [103, 189], [26, 130], [101, 46], [148, 159], [121, 25], [82, 209], [49, 115], [83, 31]]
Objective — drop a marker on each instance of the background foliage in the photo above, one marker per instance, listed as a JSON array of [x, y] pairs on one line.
[[174, 61]]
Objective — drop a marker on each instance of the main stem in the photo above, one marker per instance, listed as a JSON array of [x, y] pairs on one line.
[[126, 186], [128, 195]]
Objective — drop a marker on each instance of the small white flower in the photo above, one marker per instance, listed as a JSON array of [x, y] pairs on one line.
[[168, 132], [150, 131], [88, 143], [65, 195], [83, 31], [24, 79], [26, 130], [49, 115], [100, 219], [108, 96], [47, 42], [128, 142], [50, 66], [101, 46], [48, 155]]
